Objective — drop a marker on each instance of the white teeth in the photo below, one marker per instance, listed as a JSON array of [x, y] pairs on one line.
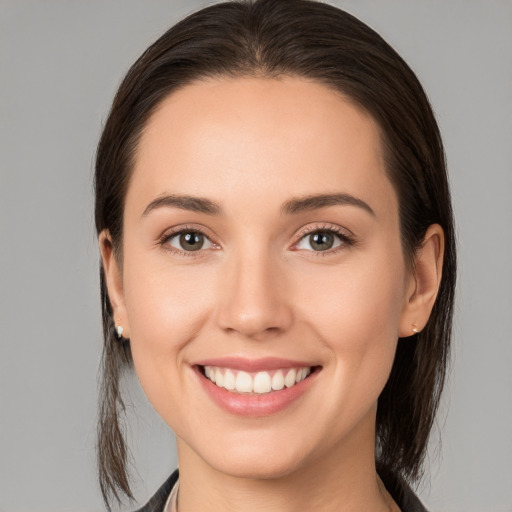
[[219, 378], [259, 383], [302, 374], [289, 380], [278, 381], [243, 383], [262, 383], [229, 380]]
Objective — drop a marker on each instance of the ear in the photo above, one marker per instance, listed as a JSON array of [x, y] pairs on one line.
[[114, 282], [424, 281]]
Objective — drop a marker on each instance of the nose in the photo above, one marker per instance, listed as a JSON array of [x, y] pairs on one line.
[[253, 299]]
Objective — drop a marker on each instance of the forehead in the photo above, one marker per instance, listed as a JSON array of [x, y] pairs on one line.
[[248, 137]]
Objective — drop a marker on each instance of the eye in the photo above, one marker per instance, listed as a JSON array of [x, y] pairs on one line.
[[189, 241], [322, 240]]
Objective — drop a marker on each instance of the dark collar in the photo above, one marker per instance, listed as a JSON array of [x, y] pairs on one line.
[[402, 493], [398, 488], [158, 501]]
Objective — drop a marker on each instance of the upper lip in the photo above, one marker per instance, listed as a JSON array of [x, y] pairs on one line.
[[253, 365]]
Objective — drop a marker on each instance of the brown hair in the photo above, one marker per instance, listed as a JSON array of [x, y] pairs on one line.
[[302, 38]]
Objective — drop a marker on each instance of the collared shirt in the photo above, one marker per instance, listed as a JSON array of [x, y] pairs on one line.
[[165, 499], [172, 500]]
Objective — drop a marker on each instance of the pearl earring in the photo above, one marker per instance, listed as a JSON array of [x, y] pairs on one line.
[[415, 329], [119, 331]]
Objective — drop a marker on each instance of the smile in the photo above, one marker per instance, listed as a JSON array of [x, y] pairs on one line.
[[257, 383], [255, 387]]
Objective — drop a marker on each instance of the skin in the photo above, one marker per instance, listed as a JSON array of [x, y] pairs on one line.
[[258, 288]]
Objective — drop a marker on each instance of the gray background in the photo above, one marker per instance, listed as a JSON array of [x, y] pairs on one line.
[[60, 62]]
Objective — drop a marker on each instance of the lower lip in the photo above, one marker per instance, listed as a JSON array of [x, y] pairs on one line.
[[255, 405]]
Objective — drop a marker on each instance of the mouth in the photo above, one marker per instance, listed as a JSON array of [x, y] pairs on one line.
[[262, 382], [258, 387]]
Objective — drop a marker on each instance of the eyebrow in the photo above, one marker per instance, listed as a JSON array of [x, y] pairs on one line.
[[290, 207], [317, 201], [184, 202]]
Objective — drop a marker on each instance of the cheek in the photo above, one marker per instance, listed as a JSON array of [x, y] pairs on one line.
[[356, 310], [360, 296], [167, 306], [162, 297]]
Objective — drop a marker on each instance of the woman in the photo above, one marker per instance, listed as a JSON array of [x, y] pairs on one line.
[[278, 261]]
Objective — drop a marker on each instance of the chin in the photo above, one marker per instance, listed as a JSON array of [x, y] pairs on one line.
[[257, 460], [257, 468]]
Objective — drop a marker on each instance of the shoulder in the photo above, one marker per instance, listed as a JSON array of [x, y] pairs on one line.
[[159, 499]]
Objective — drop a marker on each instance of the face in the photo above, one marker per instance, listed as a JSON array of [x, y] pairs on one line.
[[262, 251]]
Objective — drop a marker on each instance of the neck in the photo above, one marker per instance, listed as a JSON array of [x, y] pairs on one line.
[[343, 480]]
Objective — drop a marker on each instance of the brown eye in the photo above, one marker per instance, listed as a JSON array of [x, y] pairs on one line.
[[189, 241], [322, 240]]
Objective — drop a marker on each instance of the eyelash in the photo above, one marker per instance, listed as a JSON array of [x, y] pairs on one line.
[[166, 237], [346, 240]]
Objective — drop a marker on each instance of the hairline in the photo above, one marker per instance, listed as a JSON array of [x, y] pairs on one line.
[[258, 72]]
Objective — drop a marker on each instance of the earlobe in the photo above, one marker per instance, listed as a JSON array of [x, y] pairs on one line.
[[427, 273], [114, 282]]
